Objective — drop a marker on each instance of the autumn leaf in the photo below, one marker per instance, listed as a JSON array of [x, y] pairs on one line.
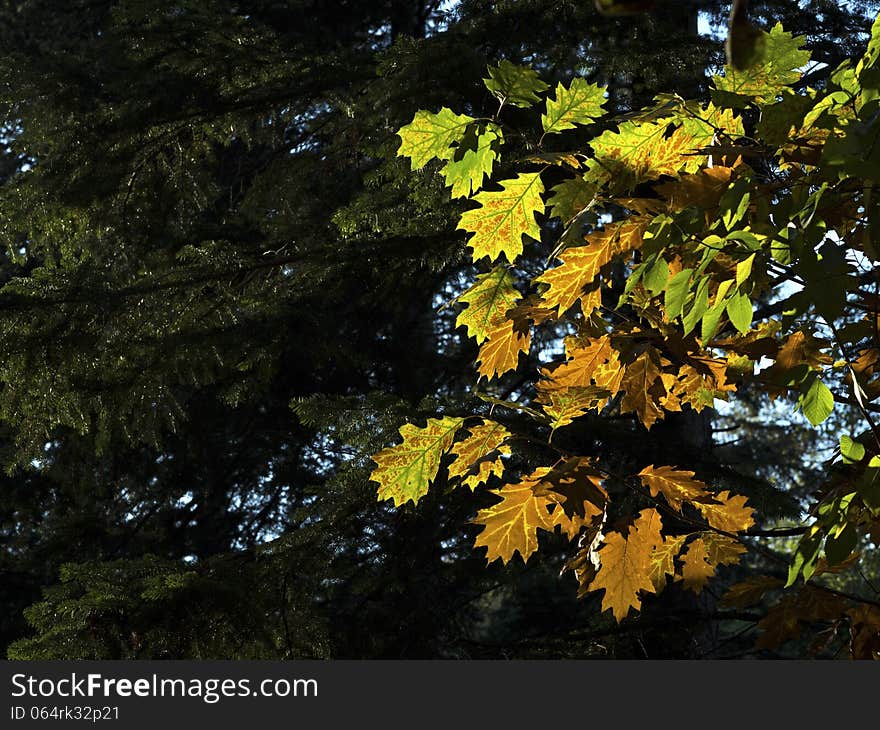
[[643, 387], [782, 59], [677, 486], [405, 471], [576, 484], [728, 513], [580, 103], [487, 302], [504, 217], [579, 268], [500, 352], [563, 405], [722, 549], [478, 456], [431, 135], [511, 525], [864, 632], [594, 365], [625, 570], [695, 566], [663, 560]]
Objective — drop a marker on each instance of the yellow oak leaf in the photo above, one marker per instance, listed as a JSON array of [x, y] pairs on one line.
[[575, 278], [500, 353], [663, 560], [641, 151], [695, 567], [405, 471], [487, 302], [677, 486], [593, 364], [563, 405], [478, 456], [625, 569], [728, 513], [511, 525], [504, 217], [641, 381]]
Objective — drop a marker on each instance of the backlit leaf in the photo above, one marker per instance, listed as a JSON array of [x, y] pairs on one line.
[[695, 567], [626, 568], [487, 302], [405, 471], [500, 352], [676, 485], [431, 135], [504, 217], [641, 381], [580, 103], [478, 456], [511, 525], [726, 512]]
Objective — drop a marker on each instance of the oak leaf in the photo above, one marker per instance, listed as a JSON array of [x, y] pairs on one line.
[[750, 591], [663, 560], [431, 135], [728, 513], [695, 566], [625, 570], [405, 471], [643, 388], [580, 103], [504, 217], [487, 302], [478, 456], [677, 486], [511, 525], [500, 352]]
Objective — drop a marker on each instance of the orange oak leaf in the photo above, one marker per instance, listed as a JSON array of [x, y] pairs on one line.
[[511, 525], [405, 471], [625, 569], [726, 512], [478, 456], [583, 363], [676, 485], [702, 188], [500, 352], [695, 566], [643, 386], [566, 283]]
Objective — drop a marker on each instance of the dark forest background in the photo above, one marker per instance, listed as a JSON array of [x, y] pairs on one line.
[[220, 295]]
